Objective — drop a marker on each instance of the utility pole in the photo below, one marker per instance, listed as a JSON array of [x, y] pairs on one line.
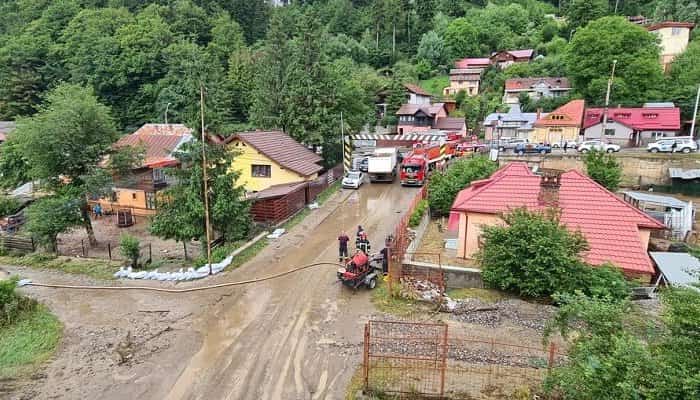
[[695, 114], [342, 139], [607, 102], [204, 177]]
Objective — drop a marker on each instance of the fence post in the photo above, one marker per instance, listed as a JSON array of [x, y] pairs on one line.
[[366, 359], [109, 251], [150, 253], [33, 245], [82, 245], [550, 362], [443, 367]]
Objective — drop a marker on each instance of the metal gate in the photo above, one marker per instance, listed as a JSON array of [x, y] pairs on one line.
[[405, 358]]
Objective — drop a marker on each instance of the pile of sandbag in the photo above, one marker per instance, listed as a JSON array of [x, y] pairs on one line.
[[181, 275]]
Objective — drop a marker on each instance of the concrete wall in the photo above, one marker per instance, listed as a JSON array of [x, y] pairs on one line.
[[637, 168], [250, 156]]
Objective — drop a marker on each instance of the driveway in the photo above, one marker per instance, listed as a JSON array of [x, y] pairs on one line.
[[298, 337]]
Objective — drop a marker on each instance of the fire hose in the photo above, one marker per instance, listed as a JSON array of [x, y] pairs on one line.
[[193, 289]]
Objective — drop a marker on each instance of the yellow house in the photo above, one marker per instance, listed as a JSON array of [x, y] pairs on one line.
[[562, 124], [138, 191], [272, 158], [616, 231], [673, 38]]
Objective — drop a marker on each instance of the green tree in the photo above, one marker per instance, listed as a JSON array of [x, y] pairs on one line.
[[130, 248], [683, 78], [181, 208], [580, 12], [432, 50], [638, 76], [461, 38], [63, 143], [443, 187], [603, 168], [534, 255], [677, 10], [227, 38], [51, 216]]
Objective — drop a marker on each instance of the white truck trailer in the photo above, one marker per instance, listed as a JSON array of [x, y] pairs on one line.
[[381, 165]]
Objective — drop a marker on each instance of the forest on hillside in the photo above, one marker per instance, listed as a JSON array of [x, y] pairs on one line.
[[298, 67]]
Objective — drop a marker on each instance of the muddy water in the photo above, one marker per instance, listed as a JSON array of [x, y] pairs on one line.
[[298, 337]]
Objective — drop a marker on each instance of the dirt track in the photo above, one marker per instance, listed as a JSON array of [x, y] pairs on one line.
[[294, 338]]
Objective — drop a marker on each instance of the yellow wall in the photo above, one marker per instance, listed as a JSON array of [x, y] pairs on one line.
[[553, 135], [471, 88], [249, 156], [133, 199], [672, 45], [644, 237], [468, 237]]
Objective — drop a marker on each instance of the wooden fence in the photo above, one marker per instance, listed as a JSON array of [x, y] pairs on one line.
[[17, 243]]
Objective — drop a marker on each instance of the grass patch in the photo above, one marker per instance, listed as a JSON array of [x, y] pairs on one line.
[[247, 254], [395, 305], [29, 342], [100, 269], [485, 295], [436, 84]]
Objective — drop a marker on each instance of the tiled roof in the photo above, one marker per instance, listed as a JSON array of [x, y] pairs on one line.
[[529, 83], [282, 149], [412, 109], [159, 142], [472, 62], [610, 225], [514, 115], [639, 119], [570, 114], [670, 24], [526, 53], [450, 124], [415, 89]]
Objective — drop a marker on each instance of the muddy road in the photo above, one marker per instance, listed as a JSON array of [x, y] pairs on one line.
[[298, 337]]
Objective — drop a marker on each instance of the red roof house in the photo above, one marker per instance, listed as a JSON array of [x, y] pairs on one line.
[[616, 231], [562, 124], [632, 126]]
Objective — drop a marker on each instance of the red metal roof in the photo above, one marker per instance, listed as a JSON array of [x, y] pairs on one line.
[[610, 225], [472, 62], [639, 119], [529, 83], [282, 149], [159, 141], [570, 114], [526, 53]]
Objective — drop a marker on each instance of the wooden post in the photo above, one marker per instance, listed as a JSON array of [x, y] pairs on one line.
[[366, 359], [150, 253], [82, 245], [109, 251], [443, 366], [550, 362]]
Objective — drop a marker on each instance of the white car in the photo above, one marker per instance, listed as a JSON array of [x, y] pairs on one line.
[[570, 144], [353, 179], [685, 145], [590, 145]]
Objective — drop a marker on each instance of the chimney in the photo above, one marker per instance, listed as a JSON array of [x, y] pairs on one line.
[[550, 182], [539, 113]]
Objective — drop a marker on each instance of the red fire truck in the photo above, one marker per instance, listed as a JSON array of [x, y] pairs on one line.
[[417, 164]]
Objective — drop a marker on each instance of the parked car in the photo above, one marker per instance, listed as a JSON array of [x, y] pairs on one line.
[[364, 165], [524, 148], [353, 179], [684, 145], [511, 144], [590, 145], [570, 144]]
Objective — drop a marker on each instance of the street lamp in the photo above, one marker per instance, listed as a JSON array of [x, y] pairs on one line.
[[607, 101]]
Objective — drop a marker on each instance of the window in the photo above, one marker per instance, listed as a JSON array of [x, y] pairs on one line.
[[609, 132], [675, 31], [650, 115], [158, 175], [133, 196], [555, 130], [261, 171], [113, 196], [151, 200], [622, 115]]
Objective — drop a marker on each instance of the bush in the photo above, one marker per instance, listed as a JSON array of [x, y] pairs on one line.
[[603, 168], [418, 213], [13, 305], [130, 248], [444, 186], [8, 206], [534, 256]]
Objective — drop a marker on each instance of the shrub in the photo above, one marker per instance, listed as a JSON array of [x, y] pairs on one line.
[[603, 168], [12, 305], [533, 255], [130, 248], [418, 213], [8, 206], [444, 186]]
